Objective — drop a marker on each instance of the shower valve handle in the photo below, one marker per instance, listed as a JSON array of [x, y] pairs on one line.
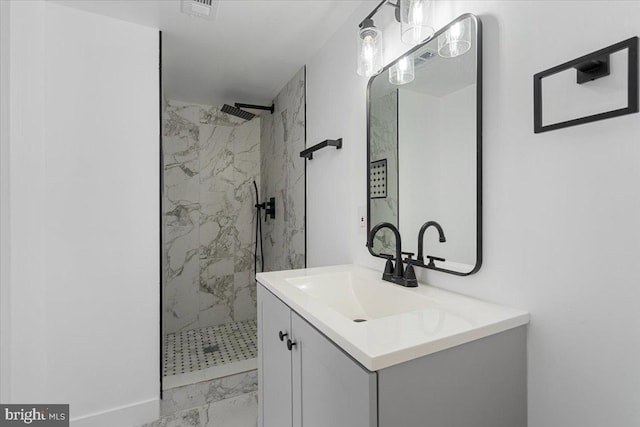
[[282, 335], [270, 208]]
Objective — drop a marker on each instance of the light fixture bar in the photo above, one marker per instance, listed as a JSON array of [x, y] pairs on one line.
[[377, 8]]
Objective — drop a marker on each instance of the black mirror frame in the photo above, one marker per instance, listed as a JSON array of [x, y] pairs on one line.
[[479, 208]]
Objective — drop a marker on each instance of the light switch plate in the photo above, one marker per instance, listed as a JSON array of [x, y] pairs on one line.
[[362, 219]]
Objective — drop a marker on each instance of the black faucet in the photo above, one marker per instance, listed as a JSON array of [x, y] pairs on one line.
[[420, 257], [394, 274]]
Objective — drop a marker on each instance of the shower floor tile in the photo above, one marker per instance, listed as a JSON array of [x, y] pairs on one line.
[[198, 349]]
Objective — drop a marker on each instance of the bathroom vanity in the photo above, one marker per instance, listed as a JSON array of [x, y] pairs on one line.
[[340, 347]]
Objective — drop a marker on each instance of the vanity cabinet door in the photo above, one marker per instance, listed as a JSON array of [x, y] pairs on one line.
[[274, 361], [329, 388]]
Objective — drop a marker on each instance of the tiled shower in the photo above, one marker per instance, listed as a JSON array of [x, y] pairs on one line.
[[211, 160]]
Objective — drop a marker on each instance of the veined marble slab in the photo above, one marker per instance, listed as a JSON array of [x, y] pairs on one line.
[[283, 177], [210, 162], [239, 411], [205, 392]]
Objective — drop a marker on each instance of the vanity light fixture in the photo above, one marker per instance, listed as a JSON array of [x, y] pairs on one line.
[[456, 40], [402, 72], [413, 21], [370, 58], [412, 15]]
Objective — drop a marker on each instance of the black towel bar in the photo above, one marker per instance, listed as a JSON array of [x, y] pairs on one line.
[[308, 153]]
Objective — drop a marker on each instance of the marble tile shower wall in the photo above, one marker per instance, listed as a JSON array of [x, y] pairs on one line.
[[210, 162], [384, 145], [283, 177]]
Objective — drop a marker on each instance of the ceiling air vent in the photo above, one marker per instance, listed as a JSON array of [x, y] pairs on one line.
[[201, 8]]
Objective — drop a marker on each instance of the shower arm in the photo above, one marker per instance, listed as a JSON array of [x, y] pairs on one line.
[[270, 108]]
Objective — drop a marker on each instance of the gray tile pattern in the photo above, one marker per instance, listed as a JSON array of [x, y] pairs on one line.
[[384, 145], [210, 162], [203, 393], [196, 349], [283, 177], [239, 411]]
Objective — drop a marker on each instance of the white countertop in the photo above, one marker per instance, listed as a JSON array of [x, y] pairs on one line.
[[402, 323]]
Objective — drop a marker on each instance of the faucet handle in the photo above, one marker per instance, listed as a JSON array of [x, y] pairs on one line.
[[409, 260], [432, 259], [408, 254]]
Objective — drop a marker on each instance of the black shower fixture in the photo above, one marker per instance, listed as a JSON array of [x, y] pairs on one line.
[[238, 112], [269, 212], [269, 208], [271, 108]]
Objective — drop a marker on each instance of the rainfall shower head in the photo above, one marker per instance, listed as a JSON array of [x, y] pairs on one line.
[[237, 112]]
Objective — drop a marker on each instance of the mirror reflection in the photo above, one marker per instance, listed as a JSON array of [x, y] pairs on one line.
[[424, 149]]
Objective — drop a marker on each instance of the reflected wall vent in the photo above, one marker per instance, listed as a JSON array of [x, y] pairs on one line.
[[200, 8]]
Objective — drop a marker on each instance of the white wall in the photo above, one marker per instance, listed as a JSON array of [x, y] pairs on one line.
[[458, 177], [4, 207], [562, 209], [84, 208], [28, 376], [438, 137], [420, 131]]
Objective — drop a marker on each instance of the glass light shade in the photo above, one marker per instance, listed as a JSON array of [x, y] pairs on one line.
[[413, 21], [370, 58], [456, 40], [402, 72]]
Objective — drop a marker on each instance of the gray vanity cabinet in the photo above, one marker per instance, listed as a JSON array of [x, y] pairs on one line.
[[274, 360], [314, 384], [481, 383], [329, 388]]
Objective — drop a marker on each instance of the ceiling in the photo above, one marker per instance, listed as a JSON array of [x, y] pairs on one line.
[[247, 54]]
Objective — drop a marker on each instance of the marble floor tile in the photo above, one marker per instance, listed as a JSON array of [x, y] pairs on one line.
[[240, 411], [205, 392], [194, 417]]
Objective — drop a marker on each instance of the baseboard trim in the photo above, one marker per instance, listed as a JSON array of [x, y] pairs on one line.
[[123, 416]]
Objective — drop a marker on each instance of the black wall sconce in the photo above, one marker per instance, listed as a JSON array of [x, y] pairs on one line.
[[588, 68]]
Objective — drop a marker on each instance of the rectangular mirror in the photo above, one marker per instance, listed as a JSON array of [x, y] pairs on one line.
[[424, 149]]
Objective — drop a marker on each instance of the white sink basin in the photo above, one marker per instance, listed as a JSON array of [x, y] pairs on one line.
[[360, 299], [400, 324]]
